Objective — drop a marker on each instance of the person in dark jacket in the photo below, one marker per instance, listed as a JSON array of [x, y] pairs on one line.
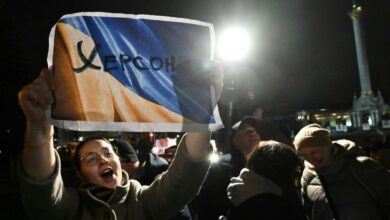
[[338, 181], [266, 188], [212, 201]]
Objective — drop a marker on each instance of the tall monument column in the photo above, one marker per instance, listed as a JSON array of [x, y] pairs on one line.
[[367, 109], [364, 73], [367, 100]]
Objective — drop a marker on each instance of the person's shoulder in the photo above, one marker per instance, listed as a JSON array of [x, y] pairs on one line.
[[364, 163], [156, 160], [349, 147], [370, 171]]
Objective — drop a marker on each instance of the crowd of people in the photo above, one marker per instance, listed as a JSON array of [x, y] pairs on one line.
[[264, 176]]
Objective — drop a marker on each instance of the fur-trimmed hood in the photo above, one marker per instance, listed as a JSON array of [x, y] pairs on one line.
[[249, 184]]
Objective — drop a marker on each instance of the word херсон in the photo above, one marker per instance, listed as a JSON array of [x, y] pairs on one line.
[[112, 62]]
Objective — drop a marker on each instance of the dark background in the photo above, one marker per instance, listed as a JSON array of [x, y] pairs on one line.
[[302, 56]]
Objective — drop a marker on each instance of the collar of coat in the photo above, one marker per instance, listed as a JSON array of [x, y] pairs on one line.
[[109, 196]]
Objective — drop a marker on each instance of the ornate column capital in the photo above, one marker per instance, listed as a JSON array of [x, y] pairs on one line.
[[356, 11]]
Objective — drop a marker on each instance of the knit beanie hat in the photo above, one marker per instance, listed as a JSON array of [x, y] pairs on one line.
[[126, 152], [313, 135]]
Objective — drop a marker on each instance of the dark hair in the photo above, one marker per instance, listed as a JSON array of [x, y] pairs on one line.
[[275, 161], [77, 161]]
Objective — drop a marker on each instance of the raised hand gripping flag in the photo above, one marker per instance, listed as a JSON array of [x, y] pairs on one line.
[[118, 72]]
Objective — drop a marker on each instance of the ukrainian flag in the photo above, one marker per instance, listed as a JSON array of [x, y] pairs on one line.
[[122, 72]]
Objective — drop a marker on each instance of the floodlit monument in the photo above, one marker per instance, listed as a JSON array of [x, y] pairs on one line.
[[369, 112]]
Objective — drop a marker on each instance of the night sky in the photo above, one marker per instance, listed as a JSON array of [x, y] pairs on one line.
[[302, 55]]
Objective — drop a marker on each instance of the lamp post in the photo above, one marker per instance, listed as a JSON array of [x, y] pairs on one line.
[[233, 46], [230, 91]]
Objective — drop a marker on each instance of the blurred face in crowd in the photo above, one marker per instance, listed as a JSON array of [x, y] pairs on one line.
[[258, 113], [318, 156], [99, 164], [130, 168], [246, 138]]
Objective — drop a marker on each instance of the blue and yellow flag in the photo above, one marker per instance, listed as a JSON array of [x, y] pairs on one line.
[[120, 72]]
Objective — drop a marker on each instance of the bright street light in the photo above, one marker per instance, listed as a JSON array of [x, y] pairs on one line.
[[233, 44]]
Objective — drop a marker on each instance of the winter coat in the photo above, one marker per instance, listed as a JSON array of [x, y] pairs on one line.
[[343, 179], [151, 167], [212, 200], [256, 197], [49, 199]]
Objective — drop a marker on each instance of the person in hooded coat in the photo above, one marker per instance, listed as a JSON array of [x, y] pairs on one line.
[[266, 189], [338, 181]]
